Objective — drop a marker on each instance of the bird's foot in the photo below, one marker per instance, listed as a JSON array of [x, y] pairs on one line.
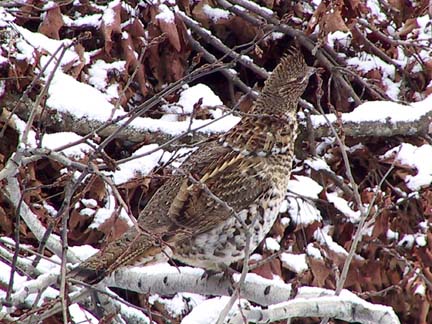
[[227, 274]]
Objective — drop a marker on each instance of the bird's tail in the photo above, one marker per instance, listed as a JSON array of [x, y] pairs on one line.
[[130, 249]]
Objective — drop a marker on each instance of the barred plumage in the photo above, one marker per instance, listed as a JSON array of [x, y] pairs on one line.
[[248, 168]]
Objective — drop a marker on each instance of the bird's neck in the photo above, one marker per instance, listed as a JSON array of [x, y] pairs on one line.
[[262, 135]]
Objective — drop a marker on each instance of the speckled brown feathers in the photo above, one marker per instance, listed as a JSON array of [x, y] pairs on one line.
[[248, 168]]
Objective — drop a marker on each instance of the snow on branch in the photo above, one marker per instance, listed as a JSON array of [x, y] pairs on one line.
[[53, 242], [308, 301], [346, 307], [380, 119], [383, 119]]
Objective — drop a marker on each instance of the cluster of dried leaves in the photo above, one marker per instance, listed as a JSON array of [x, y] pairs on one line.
[[388, 273]]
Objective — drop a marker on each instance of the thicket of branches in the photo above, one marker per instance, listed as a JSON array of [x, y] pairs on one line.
[[49, 199]]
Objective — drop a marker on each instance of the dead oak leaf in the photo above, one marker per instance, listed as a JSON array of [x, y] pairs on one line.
[[52, 22], [111, 24]]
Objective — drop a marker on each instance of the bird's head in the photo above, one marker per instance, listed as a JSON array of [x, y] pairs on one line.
[[285, 85]]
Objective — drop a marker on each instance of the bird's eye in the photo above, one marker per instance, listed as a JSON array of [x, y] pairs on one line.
[[302, 78]]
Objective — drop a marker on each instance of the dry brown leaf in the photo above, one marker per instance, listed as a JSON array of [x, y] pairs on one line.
[[110, 28], [6, 222], [408, 27], [169, 27], [133, 64], [96, 189], [269, 269], [328, 16], [113, 227], [199, 14], [319, 270], [52, 22]]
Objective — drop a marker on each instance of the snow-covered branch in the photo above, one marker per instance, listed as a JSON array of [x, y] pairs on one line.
[[308, 301], [346, 307], [375, 119], [379, 119], [53, 243]]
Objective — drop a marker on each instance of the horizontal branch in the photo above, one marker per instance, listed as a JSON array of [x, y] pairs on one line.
[[379, 119], [346, 307], [53, 243], [383, 123], [166, 280], [65, 121]]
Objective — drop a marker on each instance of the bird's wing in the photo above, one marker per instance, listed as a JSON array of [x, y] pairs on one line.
[[223, 178]]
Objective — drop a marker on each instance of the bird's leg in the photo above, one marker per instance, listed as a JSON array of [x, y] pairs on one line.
[[226, 271]]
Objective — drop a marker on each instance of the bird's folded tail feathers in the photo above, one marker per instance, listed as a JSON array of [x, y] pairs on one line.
[[119, 253]]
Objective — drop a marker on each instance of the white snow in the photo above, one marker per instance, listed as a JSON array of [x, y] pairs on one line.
[[21, 125], [87, 20], [139, 166], [305, 187], [418, 157], [343, 38], [284, 206], [109, 14], [208, 311], [56, 140], [81, 315], [168, 269], [87, 212], [407, 241], [301, 209], [420, 290], [190, 96], [322, 237], [370, 62], [179, 127], [165, 14], [215, 14], [271, 244], [31, 41], [83, 251], [317, 164], [50, 265], [313, 252], [421, 240], [343, 206], [381, 111], [392, 235], [85, 101], [69, 95], [376, 11], [294, 262], [91, 203], [5, 271], [180, 303], [5, 18], [98, 74], [106, 212]]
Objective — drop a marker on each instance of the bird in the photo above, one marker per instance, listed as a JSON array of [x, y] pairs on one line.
[[234, 183]]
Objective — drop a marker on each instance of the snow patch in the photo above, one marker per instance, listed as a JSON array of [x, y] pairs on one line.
[[56, 140], [271, 244], [301, 209], [381, 111], [165, 14], [418, 157], [313, 252], [139, 166], [215, 14], [343, 206], [294, 262]]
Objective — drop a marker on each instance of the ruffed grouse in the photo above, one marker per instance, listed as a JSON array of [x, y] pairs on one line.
[[247, 168]]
